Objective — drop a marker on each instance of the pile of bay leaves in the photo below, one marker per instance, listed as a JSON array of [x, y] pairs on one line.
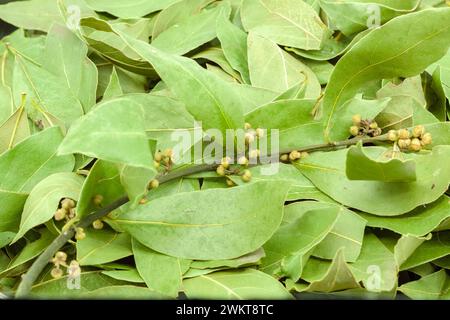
[[91, 89]]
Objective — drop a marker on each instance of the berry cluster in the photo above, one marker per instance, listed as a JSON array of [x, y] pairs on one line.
[[362, 127], [294, 155], [59, 260], [66, 210], [413, 141]]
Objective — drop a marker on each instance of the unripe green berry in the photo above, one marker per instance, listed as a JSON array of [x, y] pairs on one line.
[[60, 214], [220, 170], [246, 176], [98, 199], [98, 224], [153, 184], [415, 145], [418, 131], [56, 273], [354, 131], [243, 161], [67, 204], [427, 139], [356, 119], [403, 134], [392, 135]]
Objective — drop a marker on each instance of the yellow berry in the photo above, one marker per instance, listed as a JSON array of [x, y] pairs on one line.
[[153, 184], [225, 162], [56, 273], [61, 256], [356, 119], [97, 224], [354, 131], [67, 204], [243, 161], [373, 125], [249, 138], [60, 214], [246, 176], [230, 183], [168, 153], [156, 164], [158, 156], [403, 134], [259, 132], [284, 157], [415, 145], [98, 199], [247, 126], [253, 153], [404, 143], [294, 155], [418, 131], [79, 234], [392, 135], [220, 170], [427, 139]]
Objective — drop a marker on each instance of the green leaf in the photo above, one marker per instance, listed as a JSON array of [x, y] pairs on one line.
[[117, 122], [378, 164], [352, 16], [293, 120], [123, 292], [102, 246], [327, 277], [274, 69], [326, 170], [423, 46], [418, 222], [45, 197], [245, 260], [234, 44], [225, 230], [131, 275], [114, 88], [430, 287], [288, 22], [161, 273], [236, 285], [437, 247], [135, 181], [25, 14], [14, 130], [129, 9], [376, 266], [66, 57], [103, 180], [30, 251], [192, 32], [215, 103], [298, 236]]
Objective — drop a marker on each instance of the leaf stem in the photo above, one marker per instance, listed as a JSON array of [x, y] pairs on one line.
[[39, 264]]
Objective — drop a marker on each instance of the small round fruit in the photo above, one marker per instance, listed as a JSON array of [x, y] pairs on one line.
[[246, 176], [294, 155], [418, 131], [356, 119], [61, 256], [158, 156], [373, 125], [154, 184], [230, 183], [243, 161], [259, 132], [247, 126], [253, 154], [67, 204], [220, 170], [225, 162], [415, 145], [56, 273], [98, 199], [354, 131], [60, 214], [98, 224], [392, 135], [427, 139], [284, 157], [249, 138], [403, 134]]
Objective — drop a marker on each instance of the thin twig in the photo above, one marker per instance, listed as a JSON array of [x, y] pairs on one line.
[[39, 264]]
